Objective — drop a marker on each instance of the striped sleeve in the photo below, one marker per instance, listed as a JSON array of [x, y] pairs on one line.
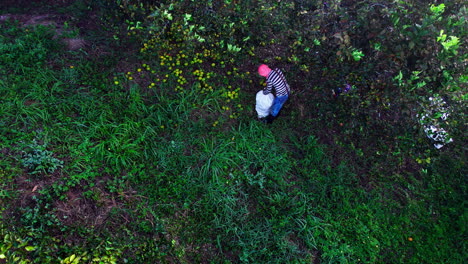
[[276, 80]]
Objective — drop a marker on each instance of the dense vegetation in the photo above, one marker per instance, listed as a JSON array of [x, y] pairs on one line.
[[142, 146]]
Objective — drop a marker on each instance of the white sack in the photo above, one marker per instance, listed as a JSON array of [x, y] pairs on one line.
[[263, 103]]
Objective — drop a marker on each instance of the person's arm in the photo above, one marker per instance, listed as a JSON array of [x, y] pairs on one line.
[[268, 88]]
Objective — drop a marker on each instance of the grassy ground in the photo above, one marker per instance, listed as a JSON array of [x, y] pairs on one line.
[[109, 157]]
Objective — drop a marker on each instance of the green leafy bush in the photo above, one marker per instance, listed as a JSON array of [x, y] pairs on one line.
[[37, 159]]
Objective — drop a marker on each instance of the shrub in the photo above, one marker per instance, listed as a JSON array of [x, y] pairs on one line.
[[37, 159]]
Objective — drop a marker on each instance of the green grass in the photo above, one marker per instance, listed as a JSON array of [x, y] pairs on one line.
[[121, 172]]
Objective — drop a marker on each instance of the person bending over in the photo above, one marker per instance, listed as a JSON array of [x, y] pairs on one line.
[[276, 84]]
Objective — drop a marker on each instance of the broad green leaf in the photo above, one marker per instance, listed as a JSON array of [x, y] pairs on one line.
[[30, 248]]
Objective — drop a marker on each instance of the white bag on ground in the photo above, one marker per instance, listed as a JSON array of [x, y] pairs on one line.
[[263, 104]]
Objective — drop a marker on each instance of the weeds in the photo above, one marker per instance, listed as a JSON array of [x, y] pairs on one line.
[[37, 159]]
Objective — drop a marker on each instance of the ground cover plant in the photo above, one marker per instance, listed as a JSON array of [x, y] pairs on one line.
[[142, 145]]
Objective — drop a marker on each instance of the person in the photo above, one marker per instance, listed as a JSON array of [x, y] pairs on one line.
[[276, 84]]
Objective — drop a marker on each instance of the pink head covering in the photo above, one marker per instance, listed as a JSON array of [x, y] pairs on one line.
[[264, 70]]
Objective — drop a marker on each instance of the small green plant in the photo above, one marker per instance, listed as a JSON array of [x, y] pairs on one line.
[[40, 160], [450, 44], [357, 55], [233, 48], [377, 46], [415, 82], [437, 10]]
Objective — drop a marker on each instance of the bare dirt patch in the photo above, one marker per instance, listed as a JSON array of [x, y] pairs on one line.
[[79, 210]]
